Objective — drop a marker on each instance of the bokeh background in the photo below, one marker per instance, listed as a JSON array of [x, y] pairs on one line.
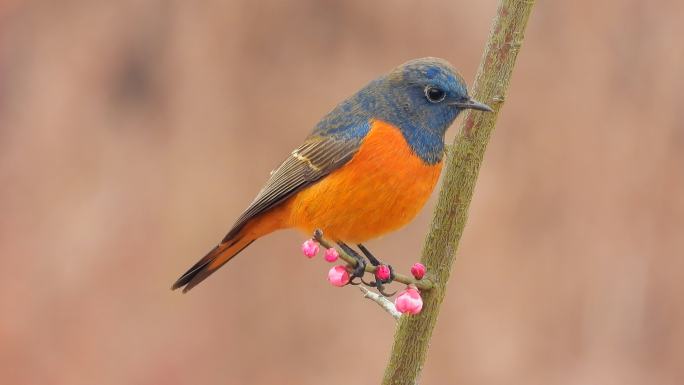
[[132, 133]]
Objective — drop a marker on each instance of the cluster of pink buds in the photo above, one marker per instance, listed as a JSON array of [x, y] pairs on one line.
[[408, 301], [310, 249]]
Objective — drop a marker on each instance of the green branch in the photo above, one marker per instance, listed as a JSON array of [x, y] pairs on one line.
[[463, 162]]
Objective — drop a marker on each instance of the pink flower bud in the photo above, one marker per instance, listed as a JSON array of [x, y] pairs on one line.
[[408, 301], [310, 248], [418, 270], [338, 276], [331, 254], [382, 272]]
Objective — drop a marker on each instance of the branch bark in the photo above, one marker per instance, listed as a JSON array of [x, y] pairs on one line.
[[413, 334]]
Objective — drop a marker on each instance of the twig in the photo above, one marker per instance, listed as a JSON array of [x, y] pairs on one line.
[[384, 303], [421, 284]]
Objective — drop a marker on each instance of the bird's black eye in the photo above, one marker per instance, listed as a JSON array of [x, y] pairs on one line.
[[434, 94]]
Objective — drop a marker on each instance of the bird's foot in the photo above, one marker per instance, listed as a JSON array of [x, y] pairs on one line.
[[380, 279], [381, 290], [380, 283], [360, 269]]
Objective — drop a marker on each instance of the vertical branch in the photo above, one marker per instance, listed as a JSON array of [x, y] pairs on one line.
[[413, 335]]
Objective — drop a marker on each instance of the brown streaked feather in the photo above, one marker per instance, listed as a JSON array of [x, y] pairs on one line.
[[313, 160]]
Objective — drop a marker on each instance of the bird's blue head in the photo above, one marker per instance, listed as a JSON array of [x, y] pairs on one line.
[[421, 97]]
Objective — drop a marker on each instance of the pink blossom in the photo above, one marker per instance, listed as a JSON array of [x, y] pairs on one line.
[[331, 254], [338, 276], [408, 301], [310, 248], [418, 270], [382, 272]]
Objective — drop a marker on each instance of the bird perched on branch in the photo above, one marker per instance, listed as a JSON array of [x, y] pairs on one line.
[[367, 168]]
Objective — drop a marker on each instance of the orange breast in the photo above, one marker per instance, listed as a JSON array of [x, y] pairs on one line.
[[381, 189]]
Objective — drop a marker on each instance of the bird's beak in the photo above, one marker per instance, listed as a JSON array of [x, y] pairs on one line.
[[473, 105]]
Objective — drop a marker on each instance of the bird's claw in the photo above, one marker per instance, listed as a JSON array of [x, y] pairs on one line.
[[359, 270], [391, 275], [380, 287], [381, 290], [379, 284]]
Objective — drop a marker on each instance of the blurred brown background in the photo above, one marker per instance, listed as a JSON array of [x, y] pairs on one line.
[[132, 133]]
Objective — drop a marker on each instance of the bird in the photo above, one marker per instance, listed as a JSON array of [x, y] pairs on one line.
[[366, 169]]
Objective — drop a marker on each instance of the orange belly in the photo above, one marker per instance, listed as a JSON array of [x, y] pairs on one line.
[[381, 189]]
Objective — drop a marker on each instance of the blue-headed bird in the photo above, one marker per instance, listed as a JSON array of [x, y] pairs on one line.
[[367, 168]]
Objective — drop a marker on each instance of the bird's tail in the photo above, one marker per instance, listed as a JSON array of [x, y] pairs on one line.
[[211, 262], [232, 245]]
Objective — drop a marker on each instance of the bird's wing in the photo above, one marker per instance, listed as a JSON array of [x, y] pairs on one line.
[[313, 160]]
